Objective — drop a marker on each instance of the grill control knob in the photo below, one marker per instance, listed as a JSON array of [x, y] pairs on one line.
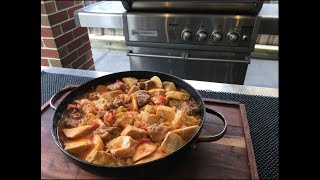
[[245, 37], [186, 35], [233, 37], [216, 36], [202, 36]]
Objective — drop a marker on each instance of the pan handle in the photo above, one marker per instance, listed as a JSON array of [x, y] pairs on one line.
[[217, 136], [58, 94]]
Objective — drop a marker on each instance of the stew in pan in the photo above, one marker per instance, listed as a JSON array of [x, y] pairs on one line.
[[130, 121]]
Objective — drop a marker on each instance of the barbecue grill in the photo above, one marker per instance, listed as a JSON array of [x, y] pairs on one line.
[[208, 40]]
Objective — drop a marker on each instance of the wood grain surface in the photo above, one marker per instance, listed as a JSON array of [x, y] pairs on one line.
[[231, 157]]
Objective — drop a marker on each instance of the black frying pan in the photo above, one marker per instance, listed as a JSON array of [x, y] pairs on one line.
[[181, 84]]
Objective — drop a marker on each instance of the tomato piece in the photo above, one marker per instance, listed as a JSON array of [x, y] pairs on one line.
[[114, 112], [107, 118], [158, 100], [95, 126], [162, 99]]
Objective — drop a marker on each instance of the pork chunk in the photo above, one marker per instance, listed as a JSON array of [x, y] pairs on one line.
[[142, 97], [157, 132]]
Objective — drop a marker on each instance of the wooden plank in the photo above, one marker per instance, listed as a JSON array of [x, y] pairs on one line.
[[232, 157], [229, 111], [252, 161], [234, 141], [220, 101]]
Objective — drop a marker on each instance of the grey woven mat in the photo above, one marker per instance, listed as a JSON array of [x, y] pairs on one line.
[[262, 112]]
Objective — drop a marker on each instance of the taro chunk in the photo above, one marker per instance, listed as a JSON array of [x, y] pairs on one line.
[[89, 108], [169, 86], [143, 150], [134, 132], [157, 92], [149, 118], [98, 146], [124, 120], [182, 120], [77, 131], [171, 143], [166, 113], [157, 81], [102, 104], [187, 132], [157, 154], [130, 81], [103, 158], [150, 109], [109, 96], [77, 146], [133, 89], [177, 95], [123, 146]]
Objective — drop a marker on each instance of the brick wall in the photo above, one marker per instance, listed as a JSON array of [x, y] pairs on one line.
[[62, 43]]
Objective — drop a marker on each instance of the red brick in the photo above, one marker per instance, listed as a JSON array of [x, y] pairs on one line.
[[74, 45], [50, 7], [71, 10], [89, 55], [93, 68], [44, 62], [64, 39], [84, 49], [80, 61], [55, 63], [62, 52], [66, 26], [58, 17], [85, 39], [44, 21], [49, 43], [49, 53], [43, 9], [46, 32], [69, 59], [88, 64], [78, 2], [56, 30], [79, 31], [64, 4]]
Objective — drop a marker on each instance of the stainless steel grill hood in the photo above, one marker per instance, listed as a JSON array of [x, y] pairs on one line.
[[209, 40], [216, 6], [108, 14]]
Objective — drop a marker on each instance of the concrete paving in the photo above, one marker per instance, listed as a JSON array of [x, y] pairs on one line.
[[260, 73]]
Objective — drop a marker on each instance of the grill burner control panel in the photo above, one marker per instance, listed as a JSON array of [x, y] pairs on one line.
[[202, 36], [196, 29]]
